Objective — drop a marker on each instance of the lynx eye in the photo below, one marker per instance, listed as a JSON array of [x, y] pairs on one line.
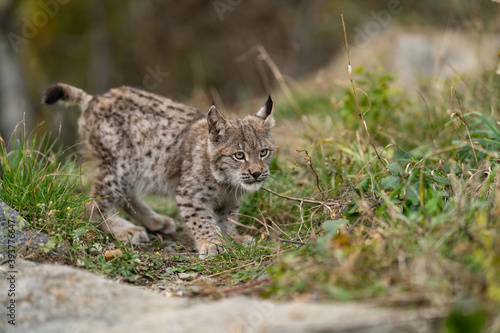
[[239, 155], [264, 152]]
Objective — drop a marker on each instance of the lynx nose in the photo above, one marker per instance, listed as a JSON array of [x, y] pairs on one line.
[[256, 174]]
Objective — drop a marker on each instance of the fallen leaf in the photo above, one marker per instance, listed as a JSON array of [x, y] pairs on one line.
[[110, 254]]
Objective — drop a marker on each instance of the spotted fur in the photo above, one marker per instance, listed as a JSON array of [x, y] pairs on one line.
[[145, 143]]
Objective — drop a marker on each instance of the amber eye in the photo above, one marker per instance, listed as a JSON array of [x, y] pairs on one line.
[[264, 152], [239, 155]]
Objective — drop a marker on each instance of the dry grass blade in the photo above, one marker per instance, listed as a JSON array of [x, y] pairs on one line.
[[454, 96], [236, 288], [349, 70], [264, 56], [333, 206], [265, 233], [264, 223]]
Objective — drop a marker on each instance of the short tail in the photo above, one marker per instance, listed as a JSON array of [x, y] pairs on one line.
[[67, 95]]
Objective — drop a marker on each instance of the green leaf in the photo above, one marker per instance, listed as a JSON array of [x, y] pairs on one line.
[[79, 231], [331, 226], [412, 193], [390, 182], [441, 180], [48, 246], [466, 316], [394, 168], [365, 184]]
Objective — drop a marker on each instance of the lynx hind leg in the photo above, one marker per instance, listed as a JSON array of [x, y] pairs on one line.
[[105, 209], [113, 224], [153, 221]]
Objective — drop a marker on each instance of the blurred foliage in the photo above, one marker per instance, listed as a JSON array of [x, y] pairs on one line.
[[101, 44]]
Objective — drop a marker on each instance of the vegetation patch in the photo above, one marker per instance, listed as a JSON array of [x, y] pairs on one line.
[[417, 225]]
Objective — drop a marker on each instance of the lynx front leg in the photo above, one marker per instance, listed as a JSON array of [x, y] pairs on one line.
[[153, 221], [229, 228], [201, 221]]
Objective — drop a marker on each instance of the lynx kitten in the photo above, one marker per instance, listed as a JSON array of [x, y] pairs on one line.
[[145, 143]]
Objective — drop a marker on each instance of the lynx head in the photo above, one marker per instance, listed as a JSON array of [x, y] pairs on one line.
[[242, 149]]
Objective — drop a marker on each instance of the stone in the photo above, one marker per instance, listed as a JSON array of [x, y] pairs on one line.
[[14, 230], [188, 276], [51, 298], [418, 56]]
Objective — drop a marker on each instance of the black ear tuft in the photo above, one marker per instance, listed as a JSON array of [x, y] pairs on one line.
[[269, 102], [53, 94], [266, 111]]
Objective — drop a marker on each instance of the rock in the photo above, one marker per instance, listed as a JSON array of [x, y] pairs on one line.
[[416, 55], [188, 276], [14, 230], [51, 298]]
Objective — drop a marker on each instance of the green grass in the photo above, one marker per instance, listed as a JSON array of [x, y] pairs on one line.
[[426, 227], [420, 227], [41, 183]]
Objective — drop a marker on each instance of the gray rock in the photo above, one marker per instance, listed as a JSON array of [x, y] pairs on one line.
[[15, 234], [50, 298], [188, 276], [418, 56]]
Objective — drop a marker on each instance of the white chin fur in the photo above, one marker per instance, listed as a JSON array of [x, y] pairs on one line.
[[251, 187]]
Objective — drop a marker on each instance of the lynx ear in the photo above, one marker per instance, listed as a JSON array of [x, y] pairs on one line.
[[266, 112], [217, 124]]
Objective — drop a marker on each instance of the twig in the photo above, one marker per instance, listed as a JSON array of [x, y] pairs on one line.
[[351, 229], [264, 224], [307, 200], [472, 237], [265, 233], [228, 270], [247, 285], [238, 288], [349, 70], [309, 162]]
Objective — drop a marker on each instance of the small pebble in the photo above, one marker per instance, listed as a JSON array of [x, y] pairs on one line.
[[188, 277]]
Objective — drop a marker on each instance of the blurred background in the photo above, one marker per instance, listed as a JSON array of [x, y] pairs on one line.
[[233, 52]]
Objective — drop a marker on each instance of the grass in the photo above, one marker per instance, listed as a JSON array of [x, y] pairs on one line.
[[423, 229]]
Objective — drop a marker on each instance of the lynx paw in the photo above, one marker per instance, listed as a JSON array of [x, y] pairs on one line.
[[133, 234], [162, 224], [245, 240], [206, 249]]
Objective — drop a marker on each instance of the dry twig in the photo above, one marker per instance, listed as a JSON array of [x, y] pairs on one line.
[[309, 162], [265, 233]]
